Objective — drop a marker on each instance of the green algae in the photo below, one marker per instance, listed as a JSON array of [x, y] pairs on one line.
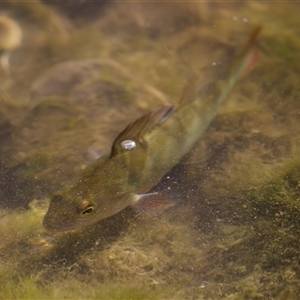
[[27, 289]]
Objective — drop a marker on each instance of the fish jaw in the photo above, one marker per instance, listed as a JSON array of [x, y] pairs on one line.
[[51, 224], [62, 215]]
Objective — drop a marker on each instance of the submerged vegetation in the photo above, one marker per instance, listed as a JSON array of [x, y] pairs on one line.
[[234, 231]]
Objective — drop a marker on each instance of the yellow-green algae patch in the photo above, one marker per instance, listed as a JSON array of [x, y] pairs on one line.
[[28, 289]]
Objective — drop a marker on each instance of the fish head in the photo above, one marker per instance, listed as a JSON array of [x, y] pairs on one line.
[[66, 213], [101, 191]]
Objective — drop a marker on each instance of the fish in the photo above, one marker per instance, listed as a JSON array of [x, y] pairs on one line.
[[143, 153]]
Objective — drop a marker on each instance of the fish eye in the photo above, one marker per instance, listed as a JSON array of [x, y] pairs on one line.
[[85, 208]]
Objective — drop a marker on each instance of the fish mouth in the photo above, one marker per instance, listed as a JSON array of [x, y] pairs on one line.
[[55, 226], [51, 227], [61, 223]]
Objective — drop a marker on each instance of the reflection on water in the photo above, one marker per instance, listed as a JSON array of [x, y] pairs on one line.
[[81, 74]]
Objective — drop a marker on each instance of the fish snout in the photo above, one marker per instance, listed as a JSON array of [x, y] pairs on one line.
[[58, 221]]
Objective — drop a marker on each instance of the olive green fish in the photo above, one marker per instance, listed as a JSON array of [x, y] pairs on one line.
[[142, 154]]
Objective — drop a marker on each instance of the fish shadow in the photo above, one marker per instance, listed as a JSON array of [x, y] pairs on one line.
[[68, 247]]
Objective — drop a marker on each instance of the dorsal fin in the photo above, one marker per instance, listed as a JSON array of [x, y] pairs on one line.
[[137, 129]]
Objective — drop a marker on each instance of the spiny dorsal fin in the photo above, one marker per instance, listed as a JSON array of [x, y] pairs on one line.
[[136, 130]]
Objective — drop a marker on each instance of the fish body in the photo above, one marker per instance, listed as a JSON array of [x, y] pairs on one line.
[[142, 154]]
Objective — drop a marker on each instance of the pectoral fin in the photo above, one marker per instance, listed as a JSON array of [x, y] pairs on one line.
[[133, 134], [152, 203]]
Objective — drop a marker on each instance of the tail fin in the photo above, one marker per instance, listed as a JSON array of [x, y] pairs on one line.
[[242, 65], [247, 59]]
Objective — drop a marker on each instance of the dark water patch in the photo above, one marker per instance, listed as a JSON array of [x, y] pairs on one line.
[[81, 12]]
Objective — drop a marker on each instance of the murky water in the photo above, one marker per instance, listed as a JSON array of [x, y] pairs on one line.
[[81, 74]]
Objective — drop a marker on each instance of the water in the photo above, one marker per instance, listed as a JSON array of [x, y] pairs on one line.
[[77, 81]]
